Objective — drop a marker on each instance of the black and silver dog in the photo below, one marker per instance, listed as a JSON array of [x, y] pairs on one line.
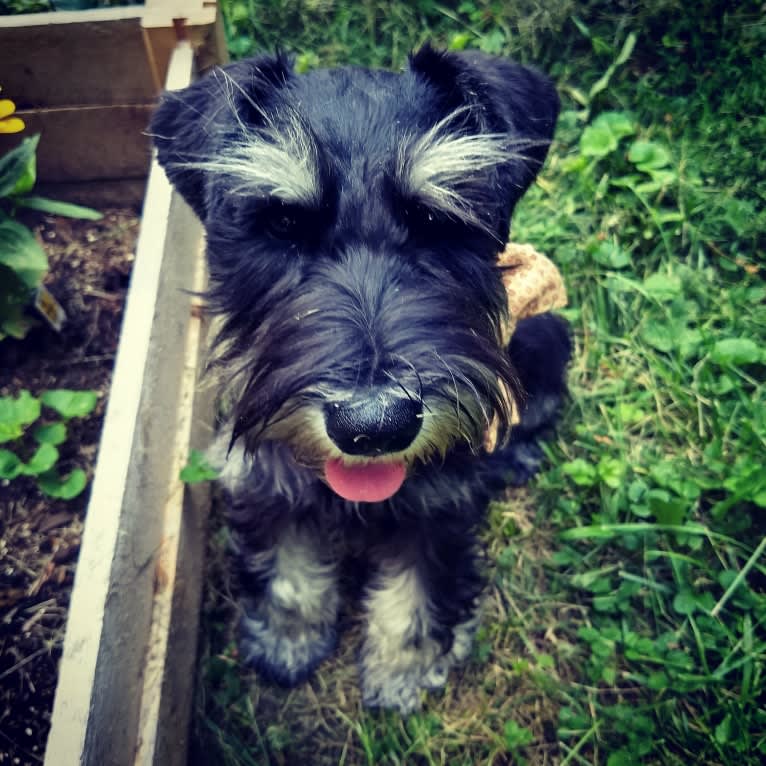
[[353, 222]]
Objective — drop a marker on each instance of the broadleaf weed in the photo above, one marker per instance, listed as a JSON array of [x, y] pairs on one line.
[[17, 414]]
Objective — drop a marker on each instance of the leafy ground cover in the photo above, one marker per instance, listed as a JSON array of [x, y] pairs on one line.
[[625, 619]]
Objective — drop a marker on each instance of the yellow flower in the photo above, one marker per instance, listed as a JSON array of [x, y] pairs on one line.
[[9, 124]]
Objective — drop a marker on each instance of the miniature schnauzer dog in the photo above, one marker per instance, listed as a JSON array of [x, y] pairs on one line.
[[353, 219]]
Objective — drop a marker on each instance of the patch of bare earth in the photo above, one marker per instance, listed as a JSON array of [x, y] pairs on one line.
[[90, 265]]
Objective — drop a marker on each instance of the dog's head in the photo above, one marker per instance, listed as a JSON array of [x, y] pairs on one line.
[[353, 221]]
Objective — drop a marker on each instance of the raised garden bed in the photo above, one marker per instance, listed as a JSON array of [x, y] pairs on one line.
[[137, 580], [87, 80], [90, 264]]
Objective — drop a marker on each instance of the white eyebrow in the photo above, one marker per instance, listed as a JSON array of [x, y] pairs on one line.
[[269, 162], [441, 167]]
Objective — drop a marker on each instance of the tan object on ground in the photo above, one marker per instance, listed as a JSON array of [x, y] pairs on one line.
[[533, 285]]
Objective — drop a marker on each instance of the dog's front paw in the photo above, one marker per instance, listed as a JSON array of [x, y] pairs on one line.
[[288, 653], [523, 459], [400, 692], [399, 682]]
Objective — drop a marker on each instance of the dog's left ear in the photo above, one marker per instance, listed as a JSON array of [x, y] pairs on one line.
[[501, 96], [195, 125]]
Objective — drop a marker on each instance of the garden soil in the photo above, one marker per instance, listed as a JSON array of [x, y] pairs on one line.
[[90, 265]]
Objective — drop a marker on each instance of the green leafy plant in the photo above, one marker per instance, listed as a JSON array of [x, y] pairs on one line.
[[8, 7], [516, 739], [17, 416], [197, 469], [23, 262], [13, 7]]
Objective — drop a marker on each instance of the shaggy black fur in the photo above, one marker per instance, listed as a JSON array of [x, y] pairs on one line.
[[353, 221]]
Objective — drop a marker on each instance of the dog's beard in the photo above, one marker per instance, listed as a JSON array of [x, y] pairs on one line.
[[455, 418], [330, 335]]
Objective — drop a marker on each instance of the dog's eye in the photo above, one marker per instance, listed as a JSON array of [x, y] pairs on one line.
[[282, 222], [419, 218]]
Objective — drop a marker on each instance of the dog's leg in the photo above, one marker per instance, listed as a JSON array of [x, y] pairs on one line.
[[540, 351], [421, 620], [290, 607], [287, 573]]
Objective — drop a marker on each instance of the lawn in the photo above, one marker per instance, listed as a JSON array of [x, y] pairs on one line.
[[625, 619]]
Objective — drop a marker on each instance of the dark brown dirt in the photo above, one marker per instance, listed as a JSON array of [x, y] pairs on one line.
[[90, 264]]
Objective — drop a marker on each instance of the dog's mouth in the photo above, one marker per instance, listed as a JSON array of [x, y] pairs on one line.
[[368, 482]]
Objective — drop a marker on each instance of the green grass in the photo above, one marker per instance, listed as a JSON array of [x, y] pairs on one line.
[[625, 619]]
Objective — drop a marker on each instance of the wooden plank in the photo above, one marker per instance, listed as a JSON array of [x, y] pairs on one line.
[[98, 699], [90, 16], [124, 192], [104, 56], [88, 143], [75, 58], [168, 687], [93, 110]]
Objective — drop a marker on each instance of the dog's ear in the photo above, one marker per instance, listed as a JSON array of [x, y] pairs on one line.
[[192, 126], [501, 97]]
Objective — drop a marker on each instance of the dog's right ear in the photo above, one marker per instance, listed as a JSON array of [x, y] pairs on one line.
[[194, 125], [502, 96]]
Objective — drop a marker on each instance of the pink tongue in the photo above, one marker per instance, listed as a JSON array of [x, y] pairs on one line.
[[364, 483]]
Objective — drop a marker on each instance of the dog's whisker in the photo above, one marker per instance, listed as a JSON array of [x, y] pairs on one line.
[[229, 85], [458, 408], [398, 383]]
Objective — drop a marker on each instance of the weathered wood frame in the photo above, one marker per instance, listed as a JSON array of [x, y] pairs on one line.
[[126, 675], [87, 82]]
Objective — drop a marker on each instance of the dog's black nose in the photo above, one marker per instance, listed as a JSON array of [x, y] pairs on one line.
[[381, 422]]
